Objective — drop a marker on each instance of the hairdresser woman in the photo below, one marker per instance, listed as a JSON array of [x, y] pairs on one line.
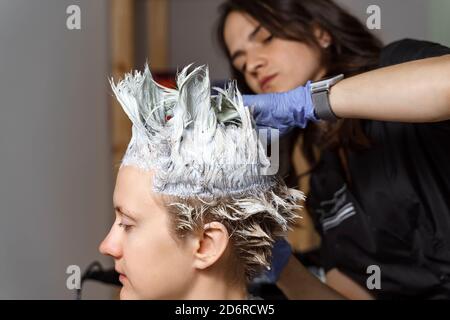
[[377, 142]]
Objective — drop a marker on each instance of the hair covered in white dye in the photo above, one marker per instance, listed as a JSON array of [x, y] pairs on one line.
[[207, 160]]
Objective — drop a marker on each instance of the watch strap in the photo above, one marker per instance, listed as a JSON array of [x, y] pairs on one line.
[[322, 106]]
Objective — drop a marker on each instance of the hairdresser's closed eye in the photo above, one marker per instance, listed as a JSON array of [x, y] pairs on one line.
[[265, 40], [240, 64], [268, 39]]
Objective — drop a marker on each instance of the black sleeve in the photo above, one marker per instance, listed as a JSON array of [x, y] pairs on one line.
[[410, 50], [326, 179]]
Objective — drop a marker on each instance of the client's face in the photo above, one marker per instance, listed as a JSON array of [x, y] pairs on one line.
[[152, 263]]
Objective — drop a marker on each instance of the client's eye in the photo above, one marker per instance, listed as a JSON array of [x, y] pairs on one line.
[[126, 227]]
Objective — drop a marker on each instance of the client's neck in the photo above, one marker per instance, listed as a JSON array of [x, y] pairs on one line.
[[213, 287]]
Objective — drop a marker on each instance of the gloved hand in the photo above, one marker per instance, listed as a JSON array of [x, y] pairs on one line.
[[281, 253], [282, 111]]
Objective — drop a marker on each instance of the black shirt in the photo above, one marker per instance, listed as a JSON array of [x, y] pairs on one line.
[[396, 212]]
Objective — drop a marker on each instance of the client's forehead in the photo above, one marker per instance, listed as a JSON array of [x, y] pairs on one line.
[[133, 191]]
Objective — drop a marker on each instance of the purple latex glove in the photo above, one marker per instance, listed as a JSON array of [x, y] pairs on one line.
[[283, 111]]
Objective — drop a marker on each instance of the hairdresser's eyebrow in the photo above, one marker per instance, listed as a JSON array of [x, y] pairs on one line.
[[250, 37], [122, 211]]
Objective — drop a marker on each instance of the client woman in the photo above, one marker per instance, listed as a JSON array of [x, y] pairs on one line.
[[196, 209]]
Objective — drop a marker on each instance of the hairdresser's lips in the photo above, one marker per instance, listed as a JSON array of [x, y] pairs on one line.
[[266, 81]]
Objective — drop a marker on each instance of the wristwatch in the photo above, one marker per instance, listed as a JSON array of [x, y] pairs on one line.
[[320, 92]]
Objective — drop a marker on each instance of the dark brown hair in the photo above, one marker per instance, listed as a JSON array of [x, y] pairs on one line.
[[353, 50]]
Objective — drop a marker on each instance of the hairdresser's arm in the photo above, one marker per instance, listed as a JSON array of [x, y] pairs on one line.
[[297, 283], [417, 91]]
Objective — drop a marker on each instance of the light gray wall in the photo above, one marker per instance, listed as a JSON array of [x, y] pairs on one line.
[[399, 18], [192, 26], [55, 183], [192, 37], [438, 15]]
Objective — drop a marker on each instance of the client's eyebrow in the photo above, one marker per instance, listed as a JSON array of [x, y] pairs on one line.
[[121, 210], [250, 38]]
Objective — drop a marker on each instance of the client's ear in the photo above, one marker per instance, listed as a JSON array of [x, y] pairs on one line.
[[211, 244]]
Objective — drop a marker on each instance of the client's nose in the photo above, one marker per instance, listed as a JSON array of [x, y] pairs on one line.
[[111, 246]]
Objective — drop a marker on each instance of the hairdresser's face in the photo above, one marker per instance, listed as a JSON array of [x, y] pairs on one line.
[[269, 64], [154, 265]]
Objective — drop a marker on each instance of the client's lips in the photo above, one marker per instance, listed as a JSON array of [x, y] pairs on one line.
[[122, 276], [265, 81]]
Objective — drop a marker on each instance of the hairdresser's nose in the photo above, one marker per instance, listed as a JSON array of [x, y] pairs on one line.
[[256, 61], [112, 244]]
